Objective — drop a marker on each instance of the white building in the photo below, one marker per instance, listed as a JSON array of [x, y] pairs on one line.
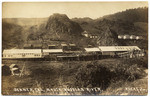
[[93, 50], [93, 36], [118, 48], [120, 36], [129, 37], [85, 33], [112, 50], [22, 53]]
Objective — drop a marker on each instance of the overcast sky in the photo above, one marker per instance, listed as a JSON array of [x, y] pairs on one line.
[[74, 9]]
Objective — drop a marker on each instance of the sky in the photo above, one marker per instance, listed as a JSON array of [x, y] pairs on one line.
[[71, 9]]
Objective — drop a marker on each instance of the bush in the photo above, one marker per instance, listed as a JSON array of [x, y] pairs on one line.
[[91, 75], [101, 74]]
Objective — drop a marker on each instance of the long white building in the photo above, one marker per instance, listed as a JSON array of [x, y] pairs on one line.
[[22, 53]]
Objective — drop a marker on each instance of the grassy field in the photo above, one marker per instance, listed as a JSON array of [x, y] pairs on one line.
[[112, 76]]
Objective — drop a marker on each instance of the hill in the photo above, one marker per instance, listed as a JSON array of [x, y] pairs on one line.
[[25, 21], [12, 36], [129, 22], [126, 22], [61, 27], [108, 38], [130, 15], [87, 24], [58, 28]]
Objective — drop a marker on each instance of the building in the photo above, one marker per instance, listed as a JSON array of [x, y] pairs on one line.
[[131, 37], [73, 47], [22, 53], [93, 50], [52, 46], [114, 50], [32, 46], [93, 36], [37, 46], [120, 36], [85, 33], [64, 46], [90, 46], [52, 51], [126, 37], [28, 46]]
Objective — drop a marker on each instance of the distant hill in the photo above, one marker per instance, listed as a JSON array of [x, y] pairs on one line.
[[58, 28], [25, 21], [12, 36], [60, 25], [126, 22], [87, 24], [130, 15], [82, 20], [129, 22]]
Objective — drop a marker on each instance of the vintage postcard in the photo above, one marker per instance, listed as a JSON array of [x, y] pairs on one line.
[[75, 48]]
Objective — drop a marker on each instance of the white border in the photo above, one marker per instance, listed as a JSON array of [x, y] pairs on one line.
[[71, 1]]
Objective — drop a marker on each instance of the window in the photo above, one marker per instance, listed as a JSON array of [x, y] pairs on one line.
[[37, 55], [9, 55]]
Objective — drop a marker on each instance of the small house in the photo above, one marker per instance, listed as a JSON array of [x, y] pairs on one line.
[[85, 33], [93, 36], [64, 46], [126, 37], [72, 47], [37, 46], [52, 46], [132, 37], [120, 36], [28, 46]]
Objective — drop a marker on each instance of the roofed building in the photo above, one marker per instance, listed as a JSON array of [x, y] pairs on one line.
[[93, 36], [85, 33], [52, 51], [64, 46], [52, 46], [73, 47], [22, 53], [89, 35], [113, 50], [28, 46], [132, 37], [93, 50], [118, 48], [37, 46]]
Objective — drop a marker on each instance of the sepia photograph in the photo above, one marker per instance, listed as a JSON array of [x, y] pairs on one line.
[[74, 48]]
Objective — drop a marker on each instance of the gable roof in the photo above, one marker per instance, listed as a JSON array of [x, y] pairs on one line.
[[15, 51], [95, 49], [52, 50], [118, 48]]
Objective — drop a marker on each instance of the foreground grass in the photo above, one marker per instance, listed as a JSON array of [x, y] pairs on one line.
[[113, 76], [137, 87]]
